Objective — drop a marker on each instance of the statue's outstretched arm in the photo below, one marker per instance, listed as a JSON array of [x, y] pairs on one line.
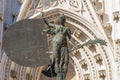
[[50, 25]]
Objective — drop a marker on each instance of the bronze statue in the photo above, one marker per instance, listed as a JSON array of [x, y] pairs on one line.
[[60, 57]]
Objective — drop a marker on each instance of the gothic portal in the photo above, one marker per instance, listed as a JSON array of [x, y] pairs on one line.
[[88, 19]]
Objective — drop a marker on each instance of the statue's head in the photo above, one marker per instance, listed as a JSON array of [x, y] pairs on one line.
[[61, 19]]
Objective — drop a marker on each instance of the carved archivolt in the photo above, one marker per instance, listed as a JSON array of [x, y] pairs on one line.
[[75, 5]]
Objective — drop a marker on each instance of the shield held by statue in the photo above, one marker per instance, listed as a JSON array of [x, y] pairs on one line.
[[25, 43]]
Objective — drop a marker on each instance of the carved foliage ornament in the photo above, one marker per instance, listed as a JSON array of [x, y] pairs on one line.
[[116, 16], [61, 1], [75, 5]]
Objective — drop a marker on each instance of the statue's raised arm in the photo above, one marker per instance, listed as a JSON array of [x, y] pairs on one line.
[[50, 25]]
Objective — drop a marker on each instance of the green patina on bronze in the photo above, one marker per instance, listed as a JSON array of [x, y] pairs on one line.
[[60, 57]]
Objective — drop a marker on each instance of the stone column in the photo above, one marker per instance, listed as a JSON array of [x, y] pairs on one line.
[[116, 34], [116, 19]]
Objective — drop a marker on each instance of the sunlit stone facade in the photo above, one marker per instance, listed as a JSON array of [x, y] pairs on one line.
[[88, 19]]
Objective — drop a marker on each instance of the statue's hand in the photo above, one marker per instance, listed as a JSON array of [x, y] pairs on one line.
[[45, 21], [73, 49], [41, 14], [45, 30]]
